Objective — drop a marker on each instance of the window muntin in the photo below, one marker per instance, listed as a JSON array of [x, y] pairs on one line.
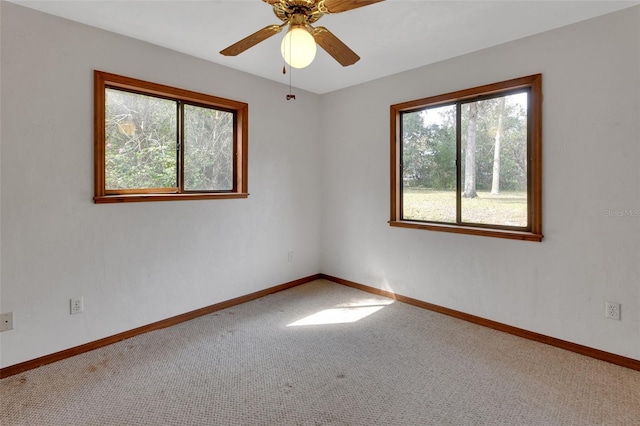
[[156, 143], [436, 141]]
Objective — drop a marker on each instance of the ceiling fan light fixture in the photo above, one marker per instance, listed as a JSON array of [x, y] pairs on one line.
[[298, 47]]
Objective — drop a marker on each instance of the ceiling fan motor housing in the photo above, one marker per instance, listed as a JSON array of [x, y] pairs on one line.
[[297, 12]]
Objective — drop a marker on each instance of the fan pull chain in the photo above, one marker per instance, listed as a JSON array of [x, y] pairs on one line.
[[284, 71], [290, 95]]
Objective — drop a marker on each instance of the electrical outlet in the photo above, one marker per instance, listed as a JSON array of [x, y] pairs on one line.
[[290, 257], [6, 321], [612, 310], [77, 307]]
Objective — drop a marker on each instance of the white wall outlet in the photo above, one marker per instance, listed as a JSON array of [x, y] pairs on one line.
[[612, 310], [290, 257], [6, 321], [77, 306]]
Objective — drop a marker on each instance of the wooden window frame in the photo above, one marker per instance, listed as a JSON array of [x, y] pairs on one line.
[[104, 80], [534, 181]]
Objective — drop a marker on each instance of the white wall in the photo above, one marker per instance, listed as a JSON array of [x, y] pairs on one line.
[[591, 157], [134, 263]]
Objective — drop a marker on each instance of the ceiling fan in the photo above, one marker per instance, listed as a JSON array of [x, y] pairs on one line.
[[299, 15]]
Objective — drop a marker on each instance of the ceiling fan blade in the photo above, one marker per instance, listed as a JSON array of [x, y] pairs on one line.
[[334, 47], [337, 6], [252, 40]]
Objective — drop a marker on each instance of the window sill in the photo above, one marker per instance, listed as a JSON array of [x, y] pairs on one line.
[[469, 230], [134, 198]]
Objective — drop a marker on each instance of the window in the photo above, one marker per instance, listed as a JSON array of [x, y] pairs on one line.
[[159, 143], [470, 161]]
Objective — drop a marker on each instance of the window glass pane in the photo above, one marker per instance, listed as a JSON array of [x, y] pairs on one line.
[[208, 149], [429, 165], [140, 141], [494, 161]]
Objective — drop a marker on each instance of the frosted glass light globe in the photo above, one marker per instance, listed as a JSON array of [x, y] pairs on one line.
[[298, 47]]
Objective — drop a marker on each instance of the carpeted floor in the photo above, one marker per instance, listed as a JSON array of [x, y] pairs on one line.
[[286, 359]]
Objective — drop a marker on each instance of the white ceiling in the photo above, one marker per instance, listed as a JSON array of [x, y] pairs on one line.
[[390, 37]]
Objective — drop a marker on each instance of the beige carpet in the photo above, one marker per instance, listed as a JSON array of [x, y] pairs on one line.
[[396, 365]]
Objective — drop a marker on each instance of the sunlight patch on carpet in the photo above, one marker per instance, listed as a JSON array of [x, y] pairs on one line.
[[343, 313]]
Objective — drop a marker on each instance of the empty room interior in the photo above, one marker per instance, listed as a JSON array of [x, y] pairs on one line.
[[313, 280]]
